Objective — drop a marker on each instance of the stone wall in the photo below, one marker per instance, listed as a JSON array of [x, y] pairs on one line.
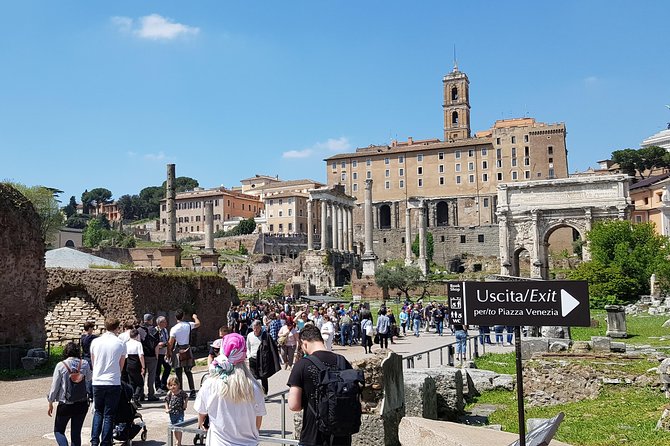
[[67, 314], [130, 294], [449, 242], [248, 278], [22, 272]]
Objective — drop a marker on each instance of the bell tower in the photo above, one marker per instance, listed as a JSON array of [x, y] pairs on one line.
[[456, 105]]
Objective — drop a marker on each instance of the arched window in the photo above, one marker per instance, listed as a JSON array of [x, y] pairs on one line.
[[385, 217], [454, 118], [454, 94]]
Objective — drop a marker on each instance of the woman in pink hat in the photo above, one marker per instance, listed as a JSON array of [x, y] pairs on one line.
[[231, 397]]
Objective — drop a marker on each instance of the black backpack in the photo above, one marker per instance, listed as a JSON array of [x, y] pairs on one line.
[[338, 398], [150, 340], [75, 384]]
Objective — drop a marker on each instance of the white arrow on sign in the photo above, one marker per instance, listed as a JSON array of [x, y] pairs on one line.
[[568, 303]]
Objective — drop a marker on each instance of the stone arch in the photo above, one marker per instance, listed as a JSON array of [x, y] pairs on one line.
[[521, 262], [69, 244], [384, 216], [442, 214], [68, 308], [454, 118], [343, 277]]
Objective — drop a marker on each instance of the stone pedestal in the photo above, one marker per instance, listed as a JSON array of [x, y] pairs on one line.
[[209, 260], [616, 321], [369, 264], [170, 256]]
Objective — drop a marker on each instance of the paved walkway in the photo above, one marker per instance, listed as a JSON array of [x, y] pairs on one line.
[[23, 406]]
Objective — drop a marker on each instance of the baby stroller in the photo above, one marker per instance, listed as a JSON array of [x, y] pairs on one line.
[[125, 427]]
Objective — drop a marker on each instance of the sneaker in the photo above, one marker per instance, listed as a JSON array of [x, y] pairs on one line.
[[192, 395], [160, 392]]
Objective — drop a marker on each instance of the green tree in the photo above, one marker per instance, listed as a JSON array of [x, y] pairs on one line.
[[45, 202], [93, 234], [150, 198], [71, 207], [623, 258], [126, 207], [95, 197], [77, 221], [430, 246], [637, 162], [397, 276], [181, 184]]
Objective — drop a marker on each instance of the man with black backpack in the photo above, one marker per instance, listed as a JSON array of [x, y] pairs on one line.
[[328, 391], [149, 337]]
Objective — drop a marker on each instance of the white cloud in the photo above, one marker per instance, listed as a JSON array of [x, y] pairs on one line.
[[297, 153], [154, 27], [340, 144], [160, 156]]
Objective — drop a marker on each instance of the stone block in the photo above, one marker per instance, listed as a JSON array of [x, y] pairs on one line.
[[618, 347], [32, 362], [449, 391], [601, 343], [37, 353], [420, 395], [581, 347], [531, 346], [559, 346], [482, 380]]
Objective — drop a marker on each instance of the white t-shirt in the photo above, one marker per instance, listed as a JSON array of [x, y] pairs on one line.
[[125, 336], [229, 423], [181, 332], [253, 342], [134, 347], [328, 333], [106, 352]]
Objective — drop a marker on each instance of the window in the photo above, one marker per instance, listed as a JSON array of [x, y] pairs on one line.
[[272, 228], [526, 174], [471, 166], [463, 239], [499, 164], [458, 179], [281, 227], [486, 202], [163, 208], [485, 164], [513, 152], [387, 173], [471, 178], [441, 238], [401, 159], [343, 177], [401, 172], [281, 201], [387, 160], [551, 160], [550, 150], [457, 154], [354, 187], [440, 168], [300, 212], [498, 141], [387, 185], [526, 151], [420, 182], [526, 161], [513, 162], [480, 238], [638, 219], [499, 176], [281, 213], [551, 172], [354, 176], [419, 158], [471, 152], [197, 218], [458, 167], [271, 202], [419, 170], [334, 165], [441, 181], [515, 175], [290, 212], [368, 174], [368, 162], [440, 155], [485, 151], [290, 227], [525, 138], [498, 153], [354, 163], [343, 164], [401, 184], [485, 177], [454, 118], [197, 228], [513, 139], [454, 94], [242, 206]]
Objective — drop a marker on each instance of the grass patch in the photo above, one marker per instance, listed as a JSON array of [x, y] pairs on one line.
[[497, 362], [620, 415], [642, 329]]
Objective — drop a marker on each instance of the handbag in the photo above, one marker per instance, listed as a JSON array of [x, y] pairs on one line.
[[376, 339], [368, 330], [185, 354]]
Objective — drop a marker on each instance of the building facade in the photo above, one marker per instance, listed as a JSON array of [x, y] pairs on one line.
[[229, 207], [457, 176]]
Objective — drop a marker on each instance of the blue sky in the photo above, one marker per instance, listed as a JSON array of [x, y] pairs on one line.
[[104, 94]]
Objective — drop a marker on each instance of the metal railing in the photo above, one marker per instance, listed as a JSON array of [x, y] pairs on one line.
[[11, 354], [187, 425], [472, 351]]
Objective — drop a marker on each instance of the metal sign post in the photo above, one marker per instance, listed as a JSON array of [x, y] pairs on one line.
[[536, 303]]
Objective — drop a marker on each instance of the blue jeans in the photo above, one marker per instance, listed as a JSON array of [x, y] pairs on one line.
[[461, 337], [345, 335], [105, 400], [70, 413], [417, 326], [438, 327], [510, 333]]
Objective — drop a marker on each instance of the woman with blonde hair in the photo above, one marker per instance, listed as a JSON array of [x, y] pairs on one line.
[[231, 397]]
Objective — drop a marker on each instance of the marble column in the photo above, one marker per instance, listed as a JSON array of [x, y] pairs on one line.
[[375, 217], [340, 228], [369, 258], [408, 236], [209, 226], [505, 249], [536, 254], [310, 232], [324, 225], [170, 208], [423, 261], [333, 222], [345, 231], [350, 226]]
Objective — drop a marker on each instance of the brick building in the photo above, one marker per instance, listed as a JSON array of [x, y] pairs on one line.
[[458, 175]]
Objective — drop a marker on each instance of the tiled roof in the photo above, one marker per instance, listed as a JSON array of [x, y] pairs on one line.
[[649, 181]]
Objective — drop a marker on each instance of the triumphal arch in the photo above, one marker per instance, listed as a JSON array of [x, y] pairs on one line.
[[529, 212]]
